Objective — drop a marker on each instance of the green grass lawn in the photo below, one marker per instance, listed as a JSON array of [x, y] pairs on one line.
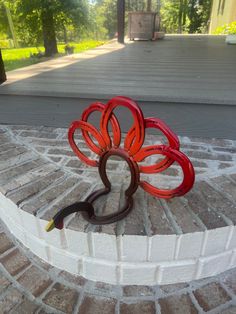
[[18, 58]]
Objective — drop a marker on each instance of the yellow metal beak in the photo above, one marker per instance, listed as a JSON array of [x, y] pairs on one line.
[[50, 226]]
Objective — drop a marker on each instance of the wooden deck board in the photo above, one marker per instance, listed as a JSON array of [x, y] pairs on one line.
[[194, 69], [189, 82]]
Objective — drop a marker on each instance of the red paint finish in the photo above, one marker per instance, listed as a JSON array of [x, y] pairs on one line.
[[132, 152]]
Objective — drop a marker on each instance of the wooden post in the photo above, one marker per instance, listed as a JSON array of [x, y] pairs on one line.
[[3, 77], [149, 5], [121, 20]]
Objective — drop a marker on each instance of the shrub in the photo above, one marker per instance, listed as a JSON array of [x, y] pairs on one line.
[[227, 29], [5, 43]]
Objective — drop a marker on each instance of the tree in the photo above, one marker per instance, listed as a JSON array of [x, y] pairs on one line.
[[189, 16], [3, 77], [44, 17], [49, 35], [4, 26], [107, 15], [199, 14], [170, 16]]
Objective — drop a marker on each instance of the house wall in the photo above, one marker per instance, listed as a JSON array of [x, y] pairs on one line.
[[223, 12]]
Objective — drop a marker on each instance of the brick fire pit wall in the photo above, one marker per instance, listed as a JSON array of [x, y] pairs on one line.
[[160, 242]]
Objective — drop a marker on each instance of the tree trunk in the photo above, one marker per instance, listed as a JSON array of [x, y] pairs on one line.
[[185, 5], [49, 35], [65, 34], [180, 16], [3, 77], [149, 5]]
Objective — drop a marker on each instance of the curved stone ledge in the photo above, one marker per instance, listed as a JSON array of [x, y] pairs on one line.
[[126, 260], [160, 242]]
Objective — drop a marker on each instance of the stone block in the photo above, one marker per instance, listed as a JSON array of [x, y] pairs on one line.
[[160, 224], [4, 282], [77, 194], [181, 271], [14, 262], [51, 194], [18, 170], [134, 248], [141, 307], [190, 245], [37, 246], [211, 296], [216, 241], [97, 305], [64, 260], [34, 281], [182, 215], [10, 300], [77, 242], [104, 246], [162, 248], [30, 223], [73, 279], [230, 280], [100, 271], [138, 291], [5, 243], [26, 306], [34, 187], [210, 266], [134, 274], [61, 298], [177, 304], [199, 205]]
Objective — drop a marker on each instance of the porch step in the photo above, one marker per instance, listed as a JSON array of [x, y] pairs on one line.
[[30, 285], [186, 119], [160, 242]]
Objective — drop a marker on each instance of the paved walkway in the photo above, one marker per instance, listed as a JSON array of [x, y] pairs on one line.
[[28, 285]]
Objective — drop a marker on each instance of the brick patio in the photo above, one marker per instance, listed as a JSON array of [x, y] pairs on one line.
[[38, 166], [182, 239], [29, 285]]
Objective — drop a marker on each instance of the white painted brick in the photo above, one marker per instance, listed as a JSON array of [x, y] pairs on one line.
[[6, 219], [37, 246], [100, 271], [77, 242], [140, 273], [65, 249], [55, 237], [211, 266], [12, 209], [233, 259], [177, 271], [104, 246], [162, 248], [190, 245], [216, 241], [16, 230], [30, 223], [232, 242], [64, 260], [134, 248]]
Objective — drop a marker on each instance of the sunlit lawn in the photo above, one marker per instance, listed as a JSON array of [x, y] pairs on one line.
[[18, 58]]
